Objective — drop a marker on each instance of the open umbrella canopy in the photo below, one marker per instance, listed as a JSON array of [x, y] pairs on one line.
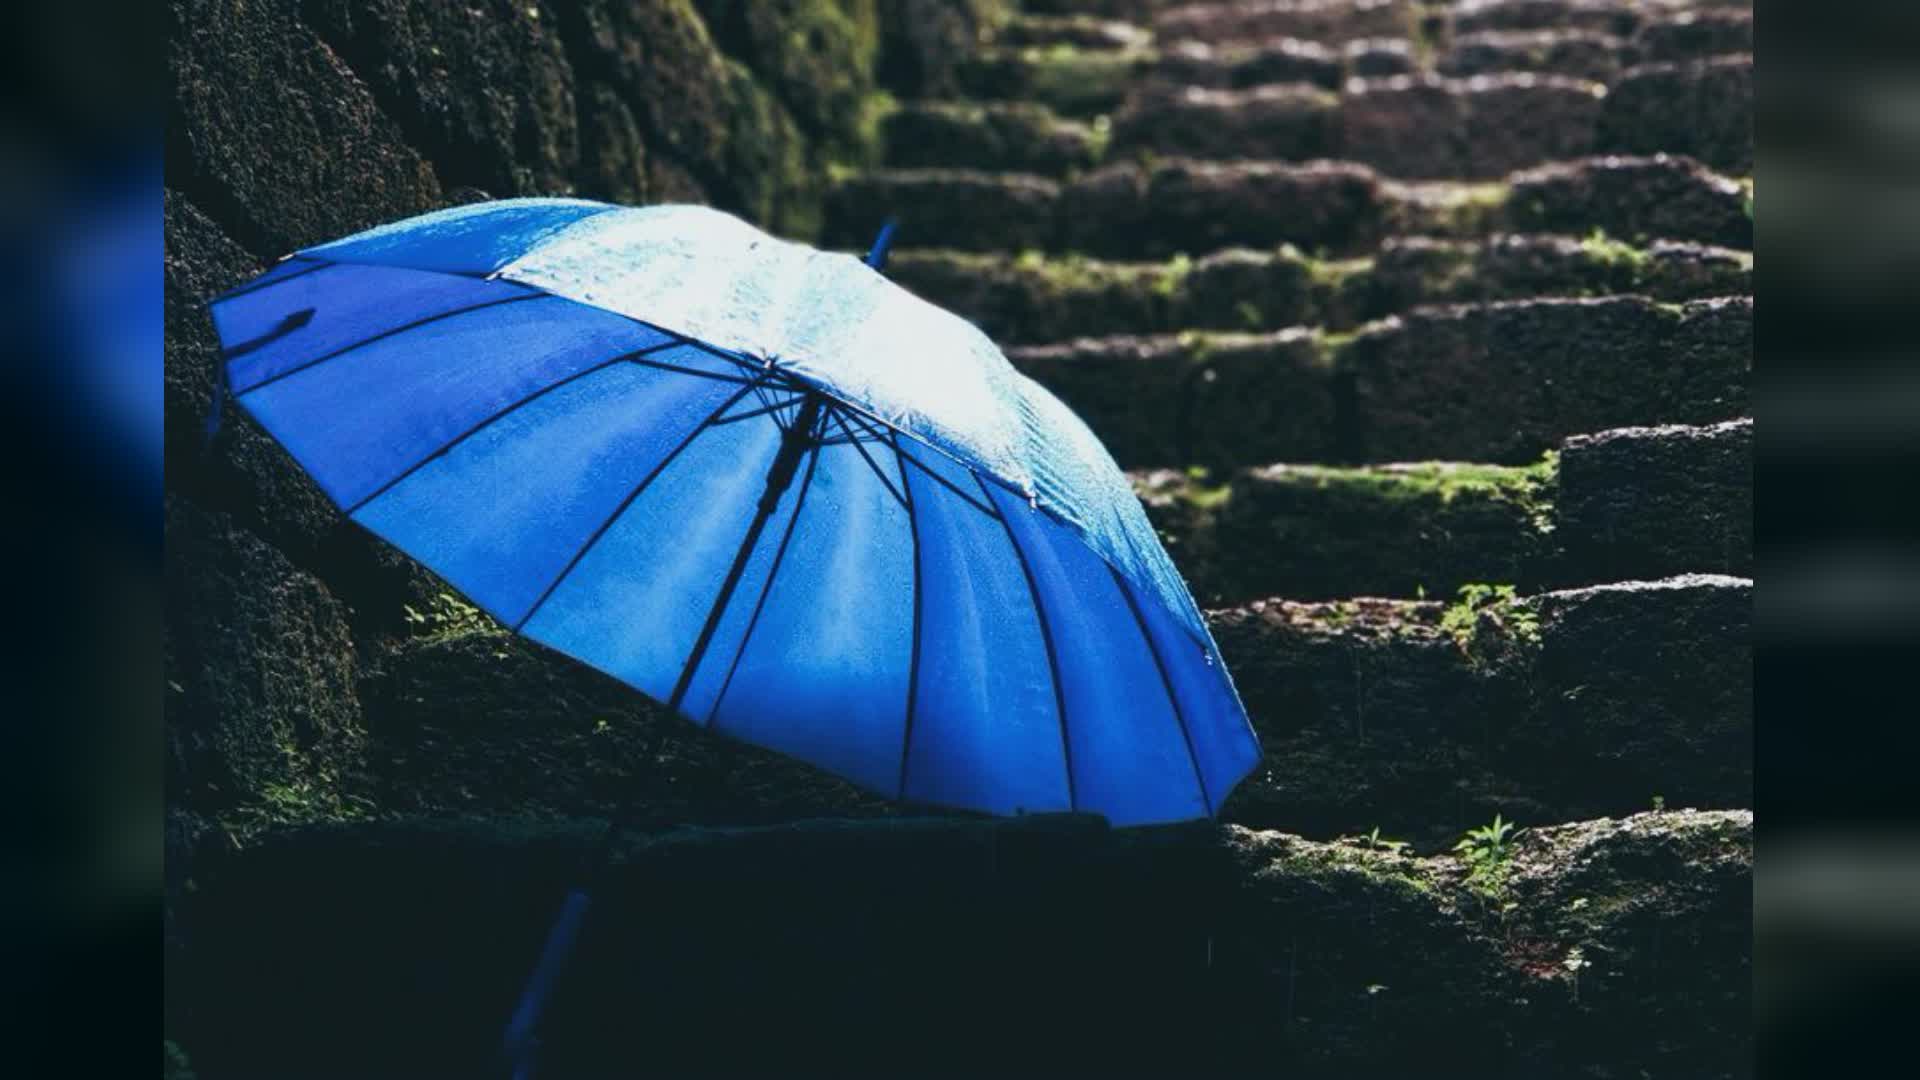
[[758, 482]]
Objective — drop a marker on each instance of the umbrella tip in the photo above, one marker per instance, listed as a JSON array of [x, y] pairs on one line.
[[877, 255]]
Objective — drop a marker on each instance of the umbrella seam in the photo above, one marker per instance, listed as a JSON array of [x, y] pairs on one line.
[[753, 622], [1053, 661], [624, 504], [385, 334], [500, 414], [261, 286], [1166, 681], [913, 663]]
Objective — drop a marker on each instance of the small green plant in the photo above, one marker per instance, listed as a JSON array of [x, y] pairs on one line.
[[1659, 804], [1373, 841], [1499, 604], [1488, 853]]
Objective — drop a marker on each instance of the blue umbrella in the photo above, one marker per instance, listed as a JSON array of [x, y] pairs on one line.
[[758, 482]]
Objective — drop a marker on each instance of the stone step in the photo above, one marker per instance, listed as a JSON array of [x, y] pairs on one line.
[[1428, 126], [1497, 382], [1694, 35], [1055, 943], [1081, 31], [1133, 11], [1581, 54], [1632, 197], [1003, 137], [1071, 81], [1240, 65], [1624, 496], [1617, 17], [1131, 210], [1634, 503], [1333, 21], [1486, 127], [1596, 53], [1702, 108], [1502, 382], [1416, 715], [1282, 121], [1032, 298]]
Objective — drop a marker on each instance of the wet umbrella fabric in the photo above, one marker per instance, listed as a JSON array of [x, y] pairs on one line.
[[758, 482]]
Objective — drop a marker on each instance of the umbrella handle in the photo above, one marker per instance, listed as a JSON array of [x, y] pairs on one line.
[[521, 1041]]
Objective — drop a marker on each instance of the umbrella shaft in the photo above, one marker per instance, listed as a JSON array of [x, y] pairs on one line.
[[793, 446]]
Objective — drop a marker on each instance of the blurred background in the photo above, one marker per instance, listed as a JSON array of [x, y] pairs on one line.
[[1837, 904], [80, 315]]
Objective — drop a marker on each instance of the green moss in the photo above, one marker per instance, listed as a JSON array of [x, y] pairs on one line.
[[1076, 80], [1099, 138], [1632, 263], [1332, 862], [1172, 276], [1456, 209], [865, 149], [817, 56]]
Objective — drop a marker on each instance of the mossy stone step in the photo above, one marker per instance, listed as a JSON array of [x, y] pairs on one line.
[[1426, 126], [1415, 714], [1581, 54], [1006, 137], [1481, 128], [1498, 382], [960, 208], [1634, 198], [1318, 532], [1032, 298], [1599, 54], [1633, 503], [1618, 17], [1287, 121], [1076, 31], [1076, 82], [1703, 108], [1693, 35], [1065, 946], [1504, 381], [1245, 64], [1133, 210], [1334, 21]]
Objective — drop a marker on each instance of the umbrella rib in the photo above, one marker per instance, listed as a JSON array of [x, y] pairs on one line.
[[384, 334], [256, 286], [678, 370], [1166, 680], [626, 502], [1046, 638], [762, 411], [868, 458], [946, 483], [779, 556], [447, 447], [913, 662]]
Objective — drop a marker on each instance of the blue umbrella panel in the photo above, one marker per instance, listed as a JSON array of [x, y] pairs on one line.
[[759, 483]]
